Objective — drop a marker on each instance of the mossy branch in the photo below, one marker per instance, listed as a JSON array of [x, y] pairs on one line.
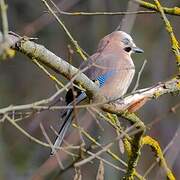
[[147, 140], [174, 41], [147, 5], [135, 149]]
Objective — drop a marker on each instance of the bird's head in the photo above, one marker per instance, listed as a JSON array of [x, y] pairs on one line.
[[126, 42]]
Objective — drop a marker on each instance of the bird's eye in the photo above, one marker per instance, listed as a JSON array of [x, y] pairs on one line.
[[127, 49], [126, 41]]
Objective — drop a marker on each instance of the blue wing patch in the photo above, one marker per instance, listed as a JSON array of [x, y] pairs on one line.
[[104, 77]]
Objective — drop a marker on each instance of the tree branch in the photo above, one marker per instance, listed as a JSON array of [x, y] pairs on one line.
[[147, 5]]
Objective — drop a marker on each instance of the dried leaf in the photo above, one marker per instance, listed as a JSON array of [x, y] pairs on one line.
[[100, 173], [121, 146], [78, 175]]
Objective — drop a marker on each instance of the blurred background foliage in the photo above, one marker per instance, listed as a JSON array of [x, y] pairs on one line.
[[22, 82]]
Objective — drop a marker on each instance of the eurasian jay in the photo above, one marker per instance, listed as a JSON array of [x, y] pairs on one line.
[[111, 67]]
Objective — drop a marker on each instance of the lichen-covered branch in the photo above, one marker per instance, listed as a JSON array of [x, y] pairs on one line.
[[147, 140], [135, 147], [172, 11], [174, 42], [42, 54]]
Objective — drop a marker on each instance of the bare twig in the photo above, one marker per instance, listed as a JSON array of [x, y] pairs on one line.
[[49, 74], [31, 137], [105, 148], [100, 173], [75, 43], [104, 160], [51, 145], [104, 13], [3, 7], [113, 155], [139, 76]]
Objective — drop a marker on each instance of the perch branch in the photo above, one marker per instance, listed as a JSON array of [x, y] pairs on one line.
[[131, 102]]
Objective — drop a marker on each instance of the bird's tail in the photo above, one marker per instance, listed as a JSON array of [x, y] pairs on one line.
[[62, 131], [67, 122]]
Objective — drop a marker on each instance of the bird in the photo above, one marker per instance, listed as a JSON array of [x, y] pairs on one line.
[[110, 67]]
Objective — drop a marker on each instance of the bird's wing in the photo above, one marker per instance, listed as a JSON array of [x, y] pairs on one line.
[[98, 64]]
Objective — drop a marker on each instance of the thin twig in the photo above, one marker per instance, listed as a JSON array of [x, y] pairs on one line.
[[105, 161], [3, 7], [113, 155], [75, 43], [139, 76], [49, 74], [51, 145], [31, 137], [104, 13], [105, 148]]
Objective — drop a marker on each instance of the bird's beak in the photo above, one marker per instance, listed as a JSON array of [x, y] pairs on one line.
[[136, 49]]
